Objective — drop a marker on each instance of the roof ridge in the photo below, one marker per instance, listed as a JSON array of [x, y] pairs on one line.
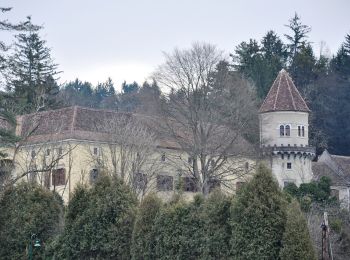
[[278, 89], [298, 91], [268, 93], [290, 91]]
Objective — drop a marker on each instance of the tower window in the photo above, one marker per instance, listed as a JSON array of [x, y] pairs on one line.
[[303, 131], [95, 151], [289, 165], [299, 130], [281, 130], [287, 130]]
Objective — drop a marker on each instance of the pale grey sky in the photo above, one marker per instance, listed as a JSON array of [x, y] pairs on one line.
[[124, 39]]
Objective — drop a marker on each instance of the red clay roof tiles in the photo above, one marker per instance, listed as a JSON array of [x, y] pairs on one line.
[[283, 96]]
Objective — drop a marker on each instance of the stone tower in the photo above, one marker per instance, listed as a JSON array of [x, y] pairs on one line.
[[284, 130]]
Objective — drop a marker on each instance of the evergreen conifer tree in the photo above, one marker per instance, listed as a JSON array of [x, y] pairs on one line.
[[143, 241], [99, 223], [296, 242], [258, 218], [179, 229], [26, 210], [217, 229], [31, 73]]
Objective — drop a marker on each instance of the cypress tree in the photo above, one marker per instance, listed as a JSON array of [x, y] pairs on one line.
[[258, 218], [216, 216], [143, 240], [26, 210], [102, 227], [296, 243], [179, 230]]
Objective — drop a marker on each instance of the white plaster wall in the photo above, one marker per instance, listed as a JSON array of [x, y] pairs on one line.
[[270, 128], [300, 172]]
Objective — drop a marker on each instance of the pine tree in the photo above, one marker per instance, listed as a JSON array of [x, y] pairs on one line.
[[258, 218], [296, 242], [143, 241], [298, 37], [31, 72]]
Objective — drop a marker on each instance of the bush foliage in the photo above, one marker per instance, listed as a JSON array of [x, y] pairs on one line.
[[25, 210]]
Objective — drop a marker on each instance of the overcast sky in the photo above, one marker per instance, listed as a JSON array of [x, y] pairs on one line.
[[124, 39]]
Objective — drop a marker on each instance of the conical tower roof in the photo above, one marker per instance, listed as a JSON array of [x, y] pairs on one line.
[[283, 96]]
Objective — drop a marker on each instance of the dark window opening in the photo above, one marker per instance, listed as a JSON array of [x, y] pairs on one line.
[[299, 130], [189, 184], [190, 160], [165, 183], [95, 151], [214, 184], [289, 165], [48, 151], [32, 177], [58, 177], [163, 157], [60, 151], [140, 180], [303, 131], [281, 130], [93, 176], [246, 166], [33, 153], [287, 130]]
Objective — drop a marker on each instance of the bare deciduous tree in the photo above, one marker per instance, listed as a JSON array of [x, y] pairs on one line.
[[131, 151], [208, 111]]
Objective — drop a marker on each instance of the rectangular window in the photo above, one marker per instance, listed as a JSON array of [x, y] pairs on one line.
[[140, 180], [60, 151], [48, 151], [214, 184], [189, 184], [289, 165], [93, 176], [58, 177], [165, 183], [95, 151], [163, 157], [299, 130], [33, 153], [303, 131]]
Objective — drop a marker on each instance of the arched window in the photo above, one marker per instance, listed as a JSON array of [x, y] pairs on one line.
[[303, 131], [281, 130], [287, 130]]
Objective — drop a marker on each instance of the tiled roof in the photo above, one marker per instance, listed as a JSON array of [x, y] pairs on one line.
[[88, 124], [336, 167], [283, 96]]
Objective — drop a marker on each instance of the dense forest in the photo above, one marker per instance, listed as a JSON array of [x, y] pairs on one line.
[[30, 79]]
